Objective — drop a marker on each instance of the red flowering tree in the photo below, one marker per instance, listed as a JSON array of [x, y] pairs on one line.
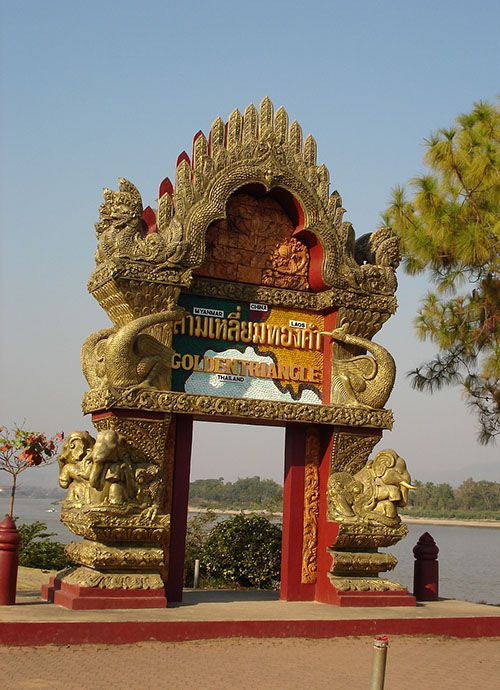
[[20, 449]]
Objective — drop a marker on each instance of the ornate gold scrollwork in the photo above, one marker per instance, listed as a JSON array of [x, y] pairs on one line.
[[311, 507], [244, 408]]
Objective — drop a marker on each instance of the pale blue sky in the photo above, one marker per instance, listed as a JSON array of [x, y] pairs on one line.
[[97, 90]]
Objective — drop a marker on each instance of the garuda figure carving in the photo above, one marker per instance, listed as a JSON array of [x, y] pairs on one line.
[[362, 381], [373, 494]]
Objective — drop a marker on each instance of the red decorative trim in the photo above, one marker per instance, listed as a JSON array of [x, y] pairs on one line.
[[79, 598], [128, 414], [149, 219], [126, 632], [182, 157], [166, 187]]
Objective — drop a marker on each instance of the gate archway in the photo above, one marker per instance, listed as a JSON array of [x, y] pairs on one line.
[[245, 297]]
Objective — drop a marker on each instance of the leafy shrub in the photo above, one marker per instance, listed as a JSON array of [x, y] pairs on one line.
[[197, 530], [38, 551], [245, 551]]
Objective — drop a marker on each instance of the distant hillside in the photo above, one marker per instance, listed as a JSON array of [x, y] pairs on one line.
[[25, 491], [246, 494]]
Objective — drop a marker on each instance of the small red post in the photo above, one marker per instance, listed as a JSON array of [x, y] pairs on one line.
[[426, 569], [9, 558]]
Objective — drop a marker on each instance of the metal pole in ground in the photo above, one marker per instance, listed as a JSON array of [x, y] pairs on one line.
[[380, 645], [196, 578]]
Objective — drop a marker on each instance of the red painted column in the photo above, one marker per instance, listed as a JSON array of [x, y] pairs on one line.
[[327, 531], [9, 559], [292, 589], [179, 511]]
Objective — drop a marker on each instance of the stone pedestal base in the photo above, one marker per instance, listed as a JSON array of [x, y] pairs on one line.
[[84, 598], [393, 597]]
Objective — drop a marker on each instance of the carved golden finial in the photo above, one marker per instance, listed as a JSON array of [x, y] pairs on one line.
[[164, 205], [200, 150], [281, 125], [182, 171], [295, 137], [334, 208], [310, 150], [265, 117], [184, 193], [234, 127], [324, 183], [217, 136], [249, 124]]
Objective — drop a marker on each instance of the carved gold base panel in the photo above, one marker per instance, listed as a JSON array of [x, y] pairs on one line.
[[364, 584], [359, 563], [88, 577], [107, 525], [110, 557]]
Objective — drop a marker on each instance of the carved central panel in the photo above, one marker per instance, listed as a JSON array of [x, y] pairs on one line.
[[254, 244]]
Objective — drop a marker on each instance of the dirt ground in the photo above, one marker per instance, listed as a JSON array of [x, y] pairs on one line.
[[249, 664]]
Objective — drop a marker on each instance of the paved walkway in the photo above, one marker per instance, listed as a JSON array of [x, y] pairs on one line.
[[339, 663], [251, 664]]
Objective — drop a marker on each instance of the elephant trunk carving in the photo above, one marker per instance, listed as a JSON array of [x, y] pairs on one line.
[[361, 381], [128, 358]]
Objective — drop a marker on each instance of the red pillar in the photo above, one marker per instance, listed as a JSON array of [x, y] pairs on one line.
[[327, 531], [9, 559], [292, 589], [179, 511]]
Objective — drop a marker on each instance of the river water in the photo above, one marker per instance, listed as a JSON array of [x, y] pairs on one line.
[[469, 557]]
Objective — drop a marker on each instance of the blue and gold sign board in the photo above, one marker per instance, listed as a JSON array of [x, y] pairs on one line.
[[248, 350]]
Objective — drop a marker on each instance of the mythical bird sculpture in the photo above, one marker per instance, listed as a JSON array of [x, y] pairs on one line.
[[361, 381]]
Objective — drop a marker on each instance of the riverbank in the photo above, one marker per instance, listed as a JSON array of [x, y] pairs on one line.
[[233, 511], [405, 518], [451, 521]]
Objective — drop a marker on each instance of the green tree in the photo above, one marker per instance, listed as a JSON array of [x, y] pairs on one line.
[[245, 551], [451, 228], [38, 551], [197, 530]]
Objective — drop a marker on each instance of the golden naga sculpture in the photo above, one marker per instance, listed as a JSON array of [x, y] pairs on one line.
[[361, 381], [373, 494], [121, 233]]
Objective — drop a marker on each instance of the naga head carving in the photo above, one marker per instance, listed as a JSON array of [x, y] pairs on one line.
[[119, 208]]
